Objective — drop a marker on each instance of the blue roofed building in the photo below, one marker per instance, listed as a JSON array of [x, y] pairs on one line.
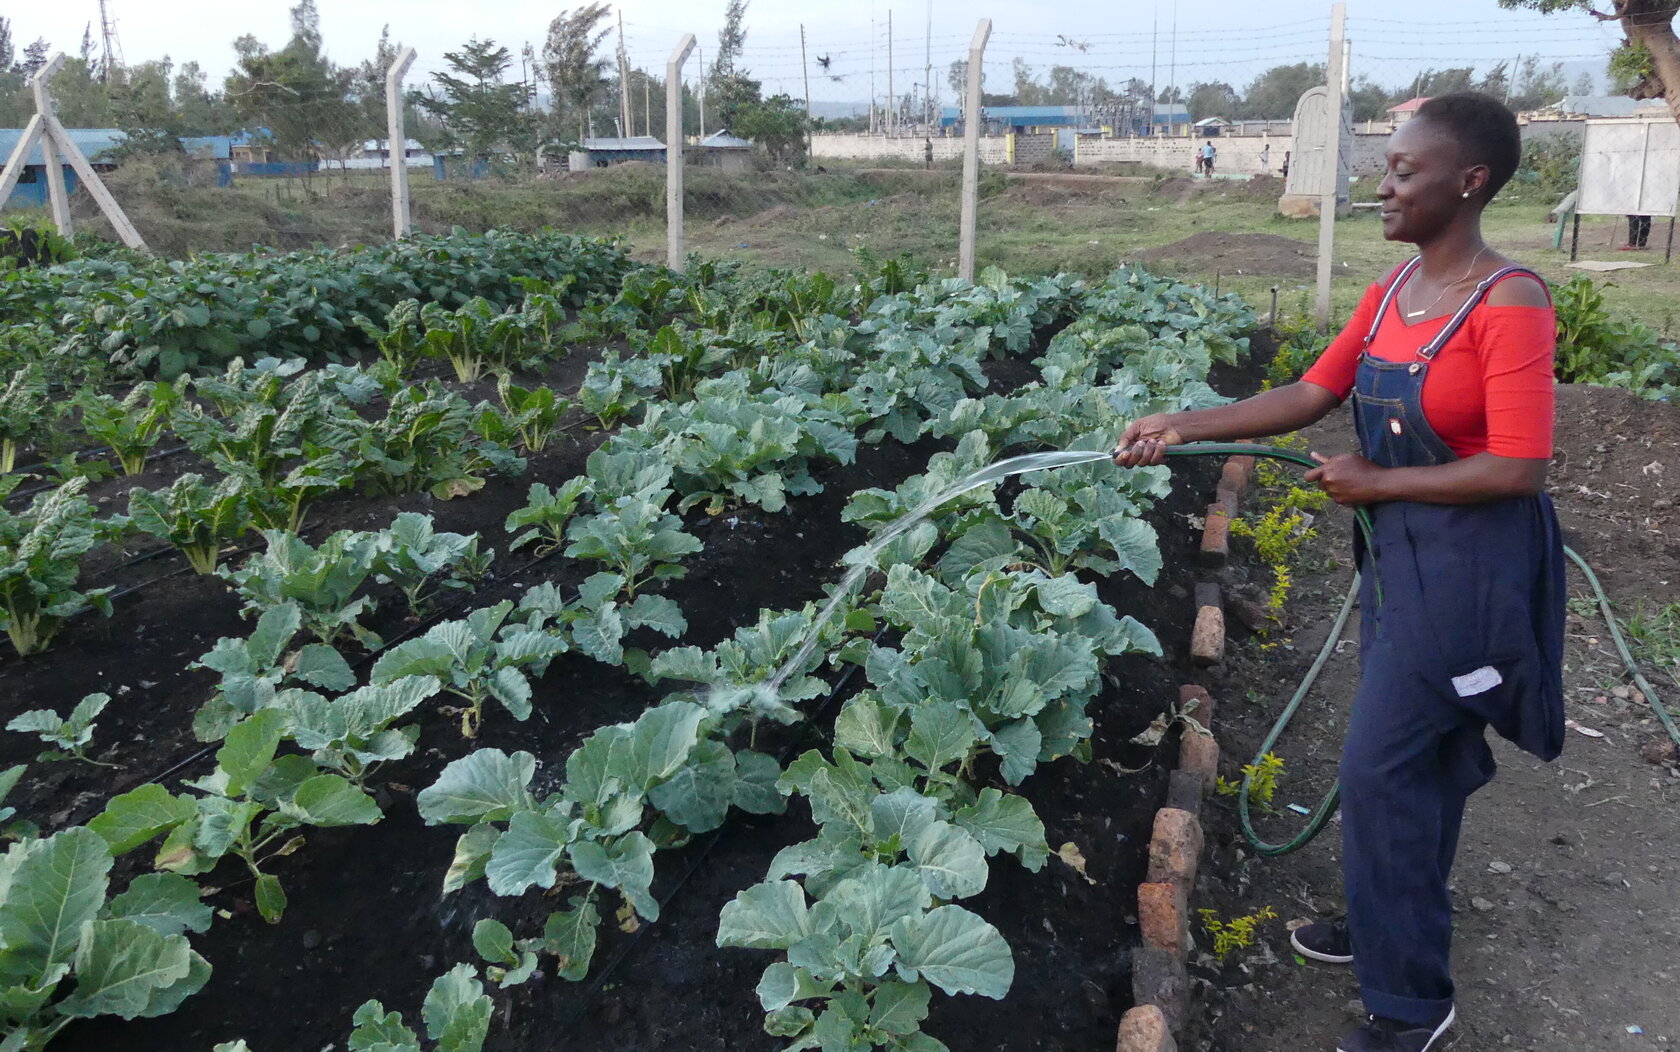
[[96, 144]]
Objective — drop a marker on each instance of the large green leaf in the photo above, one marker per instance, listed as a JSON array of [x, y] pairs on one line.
[[626, 865], [940, 734], [866, 728], [697, 796], [899, 1008], [1005, 823], [167, 903], [874, 898], [120, 964], [951, 862], [380, 1031], [768, 916], [756, 775], [487, 784], [659, 742], [330, 800], [570, 936], [138, 815], [956, 951], [528, 853], [249, 749], [57, 885]]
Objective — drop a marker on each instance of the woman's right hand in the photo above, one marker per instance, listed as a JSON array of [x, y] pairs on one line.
[[1145, 442]]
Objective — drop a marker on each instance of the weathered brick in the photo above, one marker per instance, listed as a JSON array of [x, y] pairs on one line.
[[1207, 640], [1144, 1029], [1228, 498], [1160, 980], [1196, 703], [1175, 848], [1198, 754], [1185, 790], [1216, 537], [1164, 918], [1208, 593], [1237, 473]]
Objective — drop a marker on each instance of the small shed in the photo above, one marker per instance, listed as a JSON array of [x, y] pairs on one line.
[[723, 150], [96, 145], [1211, 127], [1406, 110], [604, 153]]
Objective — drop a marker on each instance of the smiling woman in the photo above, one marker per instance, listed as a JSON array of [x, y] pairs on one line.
[[1449, 362]]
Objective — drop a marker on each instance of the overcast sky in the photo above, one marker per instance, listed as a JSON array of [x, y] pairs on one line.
[[1215, 39]]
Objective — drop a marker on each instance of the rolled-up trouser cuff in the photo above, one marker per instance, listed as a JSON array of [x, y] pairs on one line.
[[1416, 1011]]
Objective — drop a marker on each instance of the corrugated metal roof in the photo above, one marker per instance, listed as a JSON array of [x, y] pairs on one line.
[[208, 147], [93, 142], [1409, 105], [722, 140], [638, 142]]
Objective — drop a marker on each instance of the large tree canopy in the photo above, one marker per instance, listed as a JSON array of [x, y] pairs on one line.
[[1648, 63]]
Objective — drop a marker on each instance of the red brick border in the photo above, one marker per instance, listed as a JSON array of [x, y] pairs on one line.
[[1160, 984]]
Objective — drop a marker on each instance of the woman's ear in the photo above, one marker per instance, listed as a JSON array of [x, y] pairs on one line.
[[1475, 179]]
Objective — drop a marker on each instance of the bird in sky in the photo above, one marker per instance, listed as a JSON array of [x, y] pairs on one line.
[[822, 60], [1066, 41]]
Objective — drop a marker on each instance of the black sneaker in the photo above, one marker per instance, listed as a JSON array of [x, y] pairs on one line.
[[1325, 941], [1389, 1035]]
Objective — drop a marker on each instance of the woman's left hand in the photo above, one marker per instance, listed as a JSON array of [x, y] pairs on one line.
[[1348, 478]]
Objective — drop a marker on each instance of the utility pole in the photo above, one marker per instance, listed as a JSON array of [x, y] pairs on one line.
[[647, 104], [1332, 158], [702, 56], [1154, 49], [892, 99], [623, 82], [872, 70], [1511, 78], [112, 60], [1172, 69], [927, 76], [806, 66]]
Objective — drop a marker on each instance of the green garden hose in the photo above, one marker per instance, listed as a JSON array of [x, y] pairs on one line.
[[1327, 806]]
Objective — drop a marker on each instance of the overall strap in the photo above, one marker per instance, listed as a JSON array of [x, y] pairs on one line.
[[1390, 294], [1434, 346]]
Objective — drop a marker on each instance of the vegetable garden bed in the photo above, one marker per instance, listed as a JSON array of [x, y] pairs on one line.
[[699, 376]]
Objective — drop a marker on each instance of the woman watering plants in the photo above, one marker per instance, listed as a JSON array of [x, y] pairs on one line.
[[1449, 362]]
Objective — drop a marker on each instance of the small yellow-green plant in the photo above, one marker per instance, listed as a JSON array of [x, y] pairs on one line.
[[1236, 933], [1262, 781], [1278, 536], [1275, 474]]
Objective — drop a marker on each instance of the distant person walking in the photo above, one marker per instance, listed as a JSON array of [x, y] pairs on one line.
[[1639, 233], [1208, 154], [1286, 164], [1266, 159]]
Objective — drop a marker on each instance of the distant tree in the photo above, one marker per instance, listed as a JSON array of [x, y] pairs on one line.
[[1213, 99], [576, 69], [8, 52], [296, 93], [81, 100], [776, 124], [1584, 84], [34, 57], [143, 107], [485, 116], [1370, 100], [1170, 96], [89, 49], [730, 89], [1432, 82], [1273, 94], [1535, 85], [198, 110], [957, 77], [1067, 86], [1648, 60]]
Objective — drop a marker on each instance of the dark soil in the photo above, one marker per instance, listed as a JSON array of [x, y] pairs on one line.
[[366, 918], [1213, 251], [1566, 914]]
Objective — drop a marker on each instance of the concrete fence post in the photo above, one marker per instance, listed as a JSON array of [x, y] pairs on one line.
[[674, 250], [971, 151], [1335, 81], [396, 143]]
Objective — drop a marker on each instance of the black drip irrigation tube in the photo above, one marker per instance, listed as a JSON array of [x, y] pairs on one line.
[[31, 491], [1327, 807]]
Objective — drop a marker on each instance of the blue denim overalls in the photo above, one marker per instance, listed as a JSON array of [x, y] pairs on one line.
[[1467, 631]]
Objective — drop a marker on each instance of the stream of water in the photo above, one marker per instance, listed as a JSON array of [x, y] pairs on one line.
[[906, 522]]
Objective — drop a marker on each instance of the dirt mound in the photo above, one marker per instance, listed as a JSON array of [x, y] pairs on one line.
[[1213, 252]]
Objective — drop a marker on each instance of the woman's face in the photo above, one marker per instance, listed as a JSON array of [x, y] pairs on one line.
[[1423, 189]]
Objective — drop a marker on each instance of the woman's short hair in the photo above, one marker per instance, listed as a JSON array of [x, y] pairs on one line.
[[1484, 128]]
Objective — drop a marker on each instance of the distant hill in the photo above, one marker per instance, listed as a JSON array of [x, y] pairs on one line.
[[830, 111]]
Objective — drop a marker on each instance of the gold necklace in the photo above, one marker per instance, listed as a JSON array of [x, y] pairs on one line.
[[1445, 288]]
